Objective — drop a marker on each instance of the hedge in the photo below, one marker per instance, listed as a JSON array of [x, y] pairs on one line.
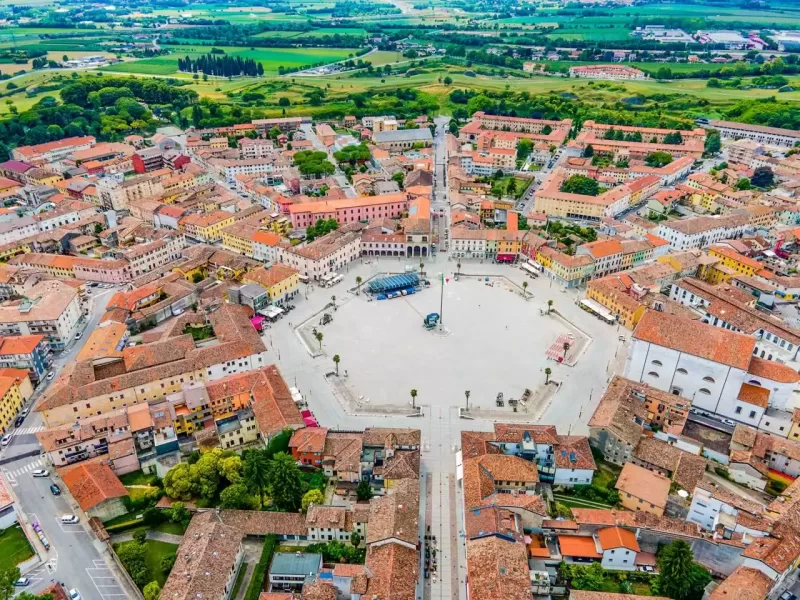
[[257, 581], [118, 527]]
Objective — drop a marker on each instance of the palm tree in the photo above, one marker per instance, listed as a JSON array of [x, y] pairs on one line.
[[413, 399], [421, 268], [549, 306], [358, 284], [467, 396], [547, 372], [319, 339], [566, 348], [336, 360], [333, 299], [458, 269], [525, 288]]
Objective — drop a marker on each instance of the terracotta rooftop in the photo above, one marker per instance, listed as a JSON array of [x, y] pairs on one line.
[[617, 537], [497, 570], [695, 338], [204, 559], [91, 483], [743, 584], [646, 485]]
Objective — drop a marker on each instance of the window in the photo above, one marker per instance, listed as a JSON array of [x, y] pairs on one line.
[[682, 371], [657, 363], [653, 374], [738, 410], [709, 379], [752, 414], [704, 391]]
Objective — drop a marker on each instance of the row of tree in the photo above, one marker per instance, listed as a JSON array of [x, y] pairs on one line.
[[221, 66]]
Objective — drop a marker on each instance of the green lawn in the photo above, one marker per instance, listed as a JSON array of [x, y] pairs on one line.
[[14, 547], [575, 502], [138, 478], [156, 551], [271, 58]]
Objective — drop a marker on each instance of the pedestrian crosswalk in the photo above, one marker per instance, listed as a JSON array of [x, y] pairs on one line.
[[13, 474], [27, 430]]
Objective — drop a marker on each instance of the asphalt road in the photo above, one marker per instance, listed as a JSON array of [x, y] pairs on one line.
[[75, 557]]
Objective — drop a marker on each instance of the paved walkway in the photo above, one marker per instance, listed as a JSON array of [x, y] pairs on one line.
[[157, 536]]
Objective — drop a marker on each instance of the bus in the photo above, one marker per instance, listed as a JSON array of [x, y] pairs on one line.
[[304, 279]]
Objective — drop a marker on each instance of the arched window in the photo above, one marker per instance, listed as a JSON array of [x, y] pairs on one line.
[[754, 382], [709, 379], [704, 391], [653, 374], [682, 371], [657, 363]]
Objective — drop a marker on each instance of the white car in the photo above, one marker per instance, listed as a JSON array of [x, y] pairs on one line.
[[79, 335], [5, 440], [74, 594], [40, 473], [25, 412], [70, 519], [51, 375], [22, 582]]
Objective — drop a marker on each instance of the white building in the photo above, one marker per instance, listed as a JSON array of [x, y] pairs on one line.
[[619, 548], [713, 367], [699, 232], [326, 255], [17, 229], [228, 169], [143, 258], [51, 308], [724, 307], [771, 136], [715, 506]]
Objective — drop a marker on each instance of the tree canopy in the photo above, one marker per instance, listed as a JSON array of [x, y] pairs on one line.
[[580, 184]]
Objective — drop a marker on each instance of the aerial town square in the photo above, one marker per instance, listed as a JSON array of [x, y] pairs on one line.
[[384, 300]]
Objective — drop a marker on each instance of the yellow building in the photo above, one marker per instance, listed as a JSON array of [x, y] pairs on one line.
[[741, 264], [642, 489], [238, 239], [566, 270], [611, 292], [280, 281], [42, 176], [206, 227], [10, 402]]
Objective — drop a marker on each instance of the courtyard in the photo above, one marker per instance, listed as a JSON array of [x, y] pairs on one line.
[[492, 341]]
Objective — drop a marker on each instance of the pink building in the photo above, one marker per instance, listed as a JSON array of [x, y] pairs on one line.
[[350, 210]]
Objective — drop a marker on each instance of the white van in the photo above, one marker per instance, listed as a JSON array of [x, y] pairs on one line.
[[69, 519]]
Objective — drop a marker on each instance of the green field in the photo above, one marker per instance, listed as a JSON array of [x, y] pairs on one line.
[[14, 548], [271, 58]]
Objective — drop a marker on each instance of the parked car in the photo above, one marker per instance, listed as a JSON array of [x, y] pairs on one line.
[[22, 582], [50, 375], [74, 594], [70, 519], [5, 440], [18, 421], [55, 490], [25, 412], [79, 335], [40, 473], [787, 595]]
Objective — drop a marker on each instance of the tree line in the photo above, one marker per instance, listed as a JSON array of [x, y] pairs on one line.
[[221, 66]]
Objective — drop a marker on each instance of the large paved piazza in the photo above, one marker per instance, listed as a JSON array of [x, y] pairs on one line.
[[387, 352], [493, 341]]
